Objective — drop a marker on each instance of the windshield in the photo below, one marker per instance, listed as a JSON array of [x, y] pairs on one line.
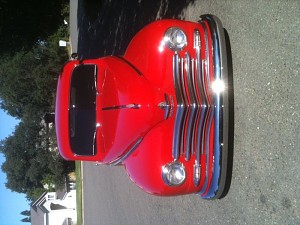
[[82, 110]]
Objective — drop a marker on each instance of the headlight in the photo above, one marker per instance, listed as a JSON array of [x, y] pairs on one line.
[[173, 174], [175, 39]]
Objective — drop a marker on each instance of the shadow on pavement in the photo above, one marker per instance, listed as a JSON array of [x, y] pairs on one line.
[[106, 27]]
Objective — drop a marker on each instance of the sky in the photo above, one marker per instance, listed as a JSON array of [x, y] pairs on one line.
[[11, 203]]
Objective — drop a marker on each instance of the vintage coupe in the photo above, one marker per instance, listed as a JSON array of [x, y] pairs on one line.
[[161, 110]]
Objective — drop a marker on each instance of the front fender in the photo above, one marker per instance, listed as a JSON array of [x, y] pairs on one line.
[[148, 53], [144, 165]]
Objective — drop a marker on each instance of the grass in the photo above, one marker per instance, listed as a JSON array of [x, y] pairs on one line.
[[79, 193]]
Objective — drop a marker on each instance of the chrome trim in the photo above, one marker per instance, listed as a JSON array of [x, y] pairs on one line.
[[128, 151], [95, 80], [221, 114], [95, 142], [207, 120], [192, 106], [202, 100], [181, 110], [197, 174], [128, 106], [166, 106]]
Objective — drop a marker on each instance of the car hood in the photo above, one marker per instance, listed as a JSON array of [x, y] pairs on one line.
[[128, 106]]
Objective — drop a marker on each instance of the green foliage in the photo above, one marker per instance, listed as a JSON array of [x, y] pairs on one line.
[[27, 91], [26, 220], [22, 23], [34, 193], [29, 162], [28, 79], [25, 213], [28, 216], [22, 168]]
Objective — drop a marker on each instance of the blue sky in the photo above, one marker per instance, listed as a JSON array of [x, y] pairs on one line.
[[11, 203]]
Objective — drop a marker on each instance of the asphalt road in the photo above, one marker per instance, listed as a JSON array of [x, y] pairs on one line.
[[265, 45]]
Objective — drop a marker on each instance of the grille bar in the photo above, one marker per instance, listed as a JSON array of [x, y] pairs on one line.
[[181, 110], [193, 106]]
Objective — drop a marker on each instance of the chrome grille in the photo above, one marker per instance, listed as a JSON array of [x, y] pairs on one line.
[[195, 109]]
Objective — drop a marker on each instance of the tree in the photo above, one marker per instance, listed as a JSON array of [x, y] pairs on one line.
[[26, 220], [27, 79], [23, 23], [30, 62], [22, 170], [25, 213], [29, 162]]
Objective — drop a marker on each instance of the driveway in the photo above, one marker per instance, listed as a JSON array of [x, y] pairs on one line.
[[265, 50]]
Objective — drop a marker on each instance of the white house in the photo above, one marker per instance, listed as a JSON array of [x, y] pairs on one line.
[[51, 209]]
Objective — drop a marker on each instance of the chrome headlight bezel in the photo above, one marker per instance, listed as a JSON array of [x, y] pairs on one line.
[[175, 39], [173, 174]]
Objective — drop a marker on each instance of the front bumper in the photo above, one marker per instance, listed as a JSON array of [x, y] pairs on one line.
[[201, 121]]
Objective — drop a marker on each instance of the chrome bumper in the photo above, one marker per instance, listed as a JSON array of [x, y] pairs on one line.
[[198, 107]]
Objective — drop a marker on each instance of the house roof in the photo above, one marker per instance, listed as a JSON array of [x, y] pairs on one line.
[[38, 211], [37, 217], [40, 214]]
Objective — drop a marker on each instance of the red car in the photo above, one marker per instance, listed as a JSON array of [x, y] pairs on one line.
[[161, 110]]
